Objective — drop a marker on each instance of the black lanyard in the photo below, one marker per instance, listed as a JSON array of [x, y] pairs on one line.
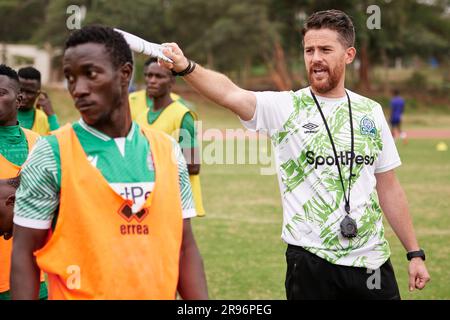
[[346, 198]]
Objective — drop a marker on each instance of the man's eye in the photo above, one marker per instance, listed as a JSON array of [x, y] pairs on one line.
[[70, 78], [92, 74]]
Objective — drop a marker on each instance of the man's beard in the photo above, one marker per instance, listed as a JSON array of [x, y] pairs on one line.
[[331, 82]]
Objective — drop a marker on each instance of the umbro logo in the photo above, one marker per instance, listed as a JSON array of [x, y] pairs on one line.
[[310, 127]]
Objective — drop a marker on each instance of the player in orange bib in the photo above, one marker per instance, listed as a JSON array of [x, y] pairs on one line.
[[15, 145], [117, 231]]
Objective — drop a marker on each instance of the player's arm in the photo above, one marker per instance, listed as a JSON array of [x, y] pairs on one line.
[[37, 199], [192, 159], [192, 279], [25, 274], [215, 86], [44, 103], [189, 144], [394, 205]]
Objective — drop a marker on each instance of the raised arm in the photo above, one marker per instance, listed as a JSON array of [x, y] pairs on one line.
[[213, 85]]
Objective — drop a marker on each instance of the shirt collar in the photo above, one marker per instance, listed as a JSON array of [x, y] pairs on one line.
[[103, 136]]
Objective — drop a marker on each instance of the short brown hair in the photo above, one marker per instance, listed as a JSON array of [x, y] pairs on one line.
[[335, 20]]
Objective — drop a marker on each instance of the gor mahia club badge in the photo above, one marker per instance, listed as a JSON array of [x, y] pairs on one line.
[[368, 127]]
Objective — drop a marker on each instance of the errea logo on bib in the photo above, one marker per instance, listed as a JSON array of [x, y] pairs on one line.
[[138, 194], [368, 128]]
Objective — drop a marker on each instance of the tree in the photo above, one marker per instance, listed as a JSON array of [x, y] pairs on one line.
[[225, 34], [234, 35], [19, 19]]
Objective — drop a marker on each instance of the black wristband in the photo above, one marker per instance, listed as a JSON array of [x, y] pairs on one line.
[[189, 69], [415, 254]]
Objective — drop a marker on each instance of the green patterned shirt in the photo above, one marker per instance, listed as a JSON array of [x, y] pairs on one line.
[[312, 195]]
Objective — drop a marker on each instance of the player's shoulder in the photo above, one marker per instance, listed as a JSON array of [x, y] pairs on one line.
[[50, 142], [175, 96], [274, 98], [301, 92], [367, 107], [358, 98], [136, 94], [30, 133], [158, 134], [179, 108], [45, 146], [181, 104]]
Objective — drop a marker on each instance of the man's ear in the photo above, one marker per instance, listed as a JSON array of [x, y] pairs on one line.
[[126, 72], [350, 55], [11, 200], [19, 99]]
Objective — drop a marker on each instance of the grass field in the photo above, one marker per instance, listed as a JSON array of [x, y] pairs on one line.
[[240, 236]]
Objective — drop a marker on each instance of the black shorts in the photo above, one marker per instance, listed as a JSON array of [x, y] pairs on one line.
[[310, 277]]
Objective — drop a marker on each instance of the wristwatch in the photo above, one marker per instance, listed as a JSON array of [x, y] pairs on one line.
[[415, 254]]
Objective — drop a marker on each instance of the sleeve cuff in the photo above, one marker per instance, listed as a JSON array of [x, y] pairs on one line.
[[32, 223], [388, 167], [189, 213], [250, 124]]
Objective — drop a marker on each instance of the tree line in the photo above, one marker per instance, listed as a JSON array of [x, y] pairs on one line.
[[237, 35]]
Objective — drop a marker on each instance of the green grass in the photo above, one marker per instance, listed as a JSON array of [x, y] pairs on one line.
[[240, 236]]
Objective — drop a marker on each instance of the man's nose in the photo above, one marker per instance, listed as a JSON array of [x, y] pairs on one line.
[[317, 56], [80, 88]]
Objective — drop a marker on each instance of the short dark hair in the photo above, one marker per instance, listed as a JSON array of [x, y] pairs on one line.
[[29, 73], [114, 42], [9, 72], [155, 60], [150, 61], [14, 182], [335, 20]]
